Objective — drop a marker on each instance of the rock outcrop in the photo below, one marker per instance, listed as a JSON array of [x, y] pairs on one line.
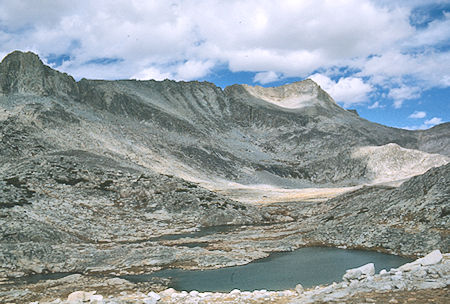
[[24, 73], [296, 95], [411, 219]]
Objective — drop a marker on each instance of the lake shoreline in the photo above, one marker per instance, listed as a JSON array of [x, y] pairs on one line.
[[429, 273]]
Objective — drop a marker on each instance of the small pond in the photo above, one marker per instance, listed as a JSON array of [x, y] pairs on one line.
[[308, 266]]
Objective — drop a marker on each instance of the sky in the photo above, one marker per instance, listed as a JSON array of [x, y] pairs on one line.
[[388, 59]]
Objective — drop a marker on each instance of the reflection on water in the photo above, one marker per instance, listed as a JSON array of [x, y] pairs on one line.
[[204, 231], [35, 278]]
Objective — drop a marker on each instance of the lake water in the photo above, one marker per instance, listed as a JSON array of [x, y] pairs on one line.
[[308, 266]]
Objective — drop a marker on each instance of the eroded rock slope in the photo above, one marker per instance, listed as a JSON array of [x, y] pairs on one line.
[[200, 132]]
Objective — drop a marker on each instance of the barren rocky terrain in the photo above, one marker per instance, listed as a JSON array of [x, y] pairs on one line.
[[103, 178]]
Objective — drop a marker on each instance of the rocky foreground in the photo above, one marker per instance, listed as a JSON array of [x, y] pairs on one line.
[[408, 283]]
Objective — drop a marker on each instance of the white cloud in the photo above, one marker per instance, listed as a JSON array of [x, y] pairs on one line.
[[188, 70], [426, 125], [421, 127], [391, 67], [347, 90], [375, 105], [433, 121], [418, 114], [266, 77], [152, 73], [437, 31], [399, 95], [398, 103], [193, 69], [289, 37]]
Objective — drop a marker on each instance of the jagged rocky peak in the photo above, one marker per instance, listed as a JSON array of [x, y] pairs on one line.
[[294, 95], [20, 61], [25, 73]]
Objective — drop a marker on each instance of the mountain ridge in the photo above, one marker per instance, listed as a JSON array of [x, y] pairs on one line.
[[206, 132]]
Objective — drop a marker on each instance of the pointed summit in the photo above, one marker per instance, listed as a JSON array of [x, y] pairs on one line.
[[293, 95], [18, 59], [24, 73]]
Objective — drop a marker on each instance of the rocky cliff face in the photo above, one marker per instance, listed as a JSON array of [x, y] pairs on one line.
[[24, 73]]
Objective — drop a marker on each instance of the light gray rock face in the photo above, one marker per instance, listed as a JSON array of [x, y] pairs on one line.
[[25, 73], [243, 134]]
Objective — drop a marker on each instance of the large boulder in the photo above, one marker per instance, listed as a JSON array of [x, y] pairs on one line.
[[360, 272], [432, 258]]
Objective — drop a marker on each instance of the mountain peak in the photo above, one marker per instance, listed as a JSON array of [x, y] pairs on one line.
[[22, 59], [293, 95], [25, 73]]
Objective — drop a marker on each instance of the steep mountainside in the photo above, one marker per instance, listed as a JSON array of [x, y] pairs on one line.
[[409, 218], [290, 136]]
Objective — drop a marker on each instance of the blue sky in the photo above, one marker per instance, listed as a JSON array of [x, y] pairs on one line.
[[390, 60]]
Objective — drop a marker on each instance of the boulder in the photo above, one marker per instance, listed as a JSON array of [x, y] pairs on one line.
[[97, 299], [299, 288], [149, 301], [432, 258], [154, 295], [409, 267], [168, 292], [360, 272], [70, 278], [80, 296], [117, 281]]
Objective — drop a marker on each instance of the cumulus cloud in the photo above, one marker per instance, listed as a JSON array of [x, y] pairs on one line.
[[266, 77], [412, 128], [433, 121], [152, 73], [399, 95], [426, 125], [418, 114], [348, 90], [189, 70], [436, 31], [392, 67], [193, 69], [375, 105]]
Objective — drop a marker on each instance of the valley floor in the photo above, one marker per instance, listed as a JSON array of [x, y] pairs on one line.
[[409, 220], [265, 194]]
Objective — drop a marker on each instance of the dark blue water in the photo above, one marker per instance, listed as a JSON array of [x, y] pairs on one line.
[[35, 278], [307, 266]]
